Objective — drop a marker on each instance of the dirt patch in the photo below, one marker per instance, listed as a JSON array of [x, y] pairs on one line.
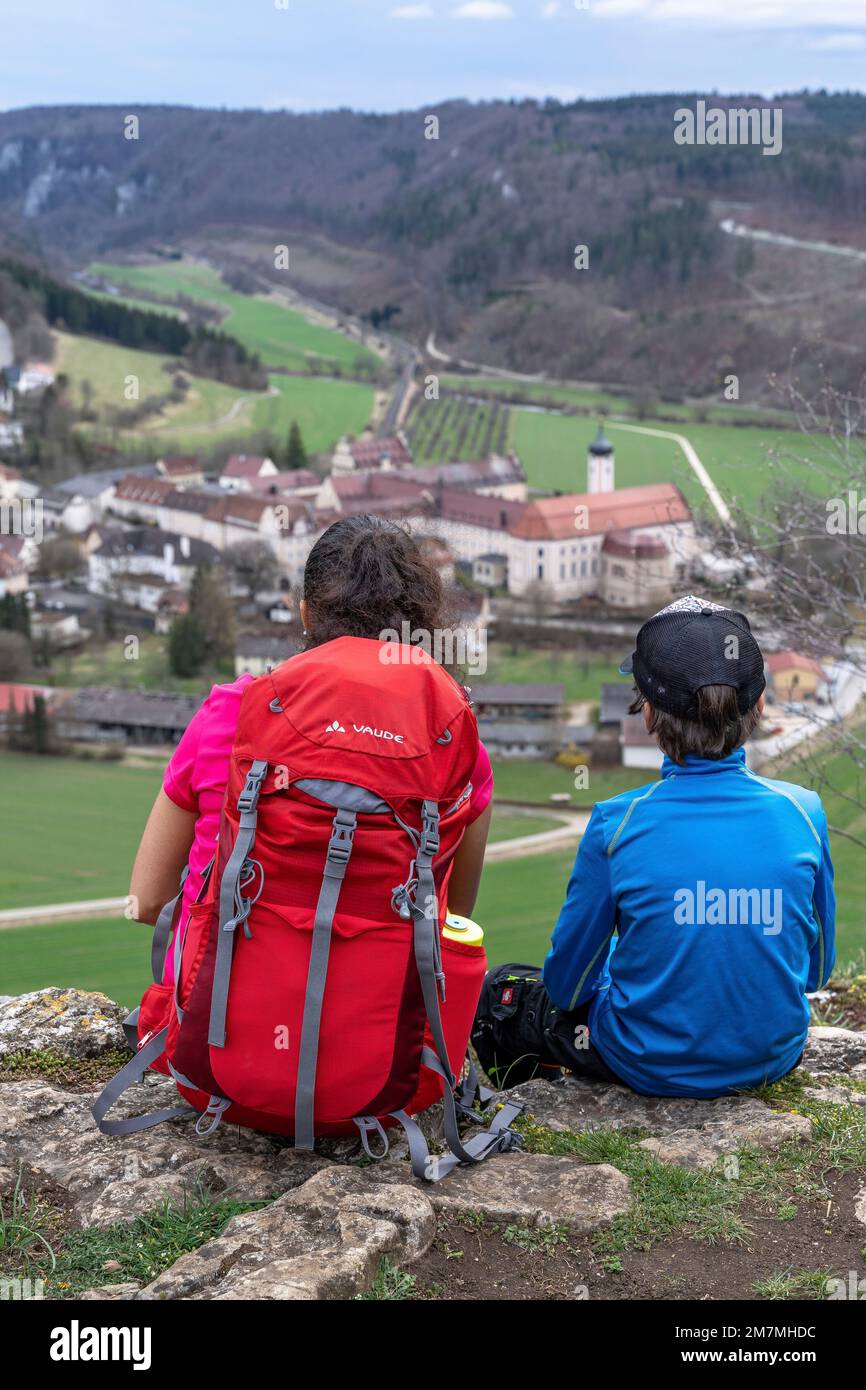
[[849, 998], [37, 1214], [471, 1261]]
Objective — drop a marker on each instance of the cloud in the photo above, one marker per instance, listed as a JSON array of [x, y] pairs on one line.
[[412, 12], [738, 14], [840, 43], [483, 9], [551, 9]]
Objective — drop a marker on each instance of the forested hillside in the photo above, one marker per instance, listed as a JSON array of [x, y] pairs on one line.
[[473, 234]]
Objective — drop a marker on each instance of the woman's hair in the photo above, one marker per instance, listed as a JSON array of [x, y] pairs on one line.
[[717, 731], [366, 575]]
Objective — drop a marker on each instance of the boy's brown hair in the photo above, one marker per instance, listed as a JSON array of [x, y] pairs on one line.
[[718, 730]]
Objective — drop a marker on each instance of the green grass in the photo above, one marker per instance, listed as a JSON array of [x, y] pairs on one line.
[[510, 825], [281, 336], [581, 674], [747, 464], [106, 664], [519, 903], [108, 955], [708, 1204], [525, 779], [324, 408], [69, 831], [137, 1250], [838, 779], [597, 401]]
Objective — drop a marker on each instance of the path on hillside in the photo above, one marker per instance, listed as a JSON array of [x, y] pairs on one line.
[[715, 497], [574, 823], [826, 248], [7, 351]]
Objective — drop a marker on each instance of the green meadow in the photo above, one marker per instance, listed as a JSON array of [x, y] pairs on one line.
[[69, 831], [281, 336], [748, 464], [324, 408]]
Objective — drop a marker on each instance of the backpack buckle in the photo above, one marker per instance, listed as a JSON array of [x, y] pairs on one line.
[[252, 786], [429, 835]]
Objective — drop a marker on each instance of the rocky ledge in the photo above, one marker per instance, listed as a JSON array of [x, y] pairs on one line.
[[325, 1221]]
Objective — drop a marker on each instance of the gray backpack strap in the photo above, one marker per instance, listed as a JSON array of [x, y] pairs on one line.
[[127, 1076], [339, 852], [497, 1137], [165, 925], [425, 915], [167, 922], [229, 917]]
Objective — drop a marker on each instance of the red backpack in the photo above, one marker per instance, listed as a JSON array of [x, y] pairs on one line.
[[314, 992]]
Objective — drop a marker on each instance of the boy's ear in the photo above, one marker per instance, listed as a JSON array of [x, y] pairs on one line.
[[305, 613], [760, 705], [647, 714]]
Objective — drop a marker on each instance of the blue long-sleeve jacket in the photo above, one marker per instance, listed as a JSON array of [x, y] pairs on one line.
[[715, 886]]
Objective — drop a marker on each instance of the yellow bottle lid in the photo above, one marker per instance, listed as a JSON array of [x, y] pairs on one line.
[[462, 929]]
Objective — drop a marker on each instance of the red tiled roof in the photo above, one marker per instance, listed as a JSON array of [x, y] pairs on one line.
[[785, 661], [373, 450], [134, 488], [244, 466], [178, 465], [474, 509], [553, 518], [634, 546], [289, 481], [237, 507], [20, 697]]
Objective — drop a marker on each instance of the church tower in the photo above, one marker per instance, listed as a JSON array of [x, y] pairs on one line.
[[599, 464]]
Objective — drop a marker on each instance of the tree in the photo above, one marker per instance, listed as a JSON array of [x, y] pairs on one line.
[[14, 656], [210, 604], [187, 648], [60, 558], [802, 550], [253, 565], [296, 454], [14, 614]]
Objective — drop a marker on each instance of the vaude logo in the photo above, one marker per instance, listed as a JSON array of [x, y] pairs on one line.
[[336, 728]]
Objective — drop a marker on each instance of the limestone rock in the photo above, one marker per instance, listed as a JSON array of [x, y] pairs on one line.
[[111, 1179], [72, 1021], [834, 1051], [836, 1095], [860, 1206], [692, 1132], [752, 1125], [324, 1240], [110, 1293], [534, 1189]]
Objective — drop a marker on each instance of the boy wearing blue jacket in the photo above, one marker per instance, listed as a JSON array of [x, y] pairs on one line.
[[700, 910]]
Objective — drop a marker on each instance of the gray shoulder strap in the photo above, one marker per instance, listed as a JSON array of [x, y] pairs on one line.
[[339, 851], [127, 1076], [166, 922]]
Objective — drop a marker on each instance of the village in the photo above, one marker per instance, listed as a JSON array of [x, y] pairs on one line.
[[580, 568]]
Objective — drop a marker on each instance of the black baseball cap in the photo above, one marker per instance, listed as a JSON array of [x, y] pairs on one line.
[[690, 644]]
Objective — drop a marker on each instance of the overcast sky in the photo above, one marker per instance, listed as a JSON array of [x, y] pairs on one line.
[[392, 54]]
